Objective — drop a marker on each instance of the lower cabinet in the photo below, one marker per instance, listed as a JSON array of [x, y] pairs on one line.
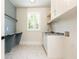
[[17, 38], [55, 46], [11, 41]]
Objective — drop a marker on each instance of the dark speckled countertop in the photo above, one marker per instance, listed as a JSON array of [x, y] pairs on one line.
[[54, 33], [3, 37]]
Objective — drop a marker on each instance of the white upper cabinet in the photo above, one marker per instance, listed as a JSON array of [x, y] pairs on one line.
[[69, 4], [58, 7]]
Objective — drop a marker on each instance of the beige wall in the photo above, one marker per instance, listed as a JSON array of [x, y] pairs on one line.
[[32, 37], [68, 23]]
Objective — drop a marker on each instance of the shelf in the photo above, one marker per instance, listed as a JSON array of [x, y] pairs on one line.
[[69, 12]]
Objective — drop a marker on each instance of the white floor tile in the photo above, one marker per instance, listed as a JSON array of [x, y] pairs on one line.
[[26, 52]]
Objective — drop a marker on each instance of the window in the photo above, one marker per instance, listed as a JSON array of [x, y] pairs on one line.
[[33, 21]]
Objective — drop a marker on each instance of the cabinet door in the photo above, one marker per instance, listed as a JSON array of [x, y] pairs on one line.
[[69, 4], [52, 8], [68, 50], [57, 8], [55, 47]]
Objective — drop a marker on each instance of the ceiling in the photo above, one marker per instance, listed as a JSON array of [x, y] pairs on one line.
[[27, 3]]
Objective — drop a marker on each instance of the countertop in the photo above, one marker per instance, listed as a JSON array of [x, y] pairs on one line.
[[13, 33], [3, 37], [54, 33]]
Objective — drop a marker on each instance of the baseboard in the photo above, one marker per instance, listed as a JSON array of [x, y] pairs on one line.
[[31, 43]]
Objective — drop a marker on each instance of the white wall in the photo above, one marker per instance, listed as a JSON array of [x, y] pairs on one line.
[[31, 37], [68, 23], [65, 23]]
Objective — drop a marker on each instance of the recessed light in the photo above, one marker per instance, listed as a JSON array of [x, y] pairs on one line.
[[32, 1]]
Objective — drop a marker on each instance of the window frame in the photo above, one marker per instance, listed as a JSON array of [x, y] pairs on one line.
[[37, 14]]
